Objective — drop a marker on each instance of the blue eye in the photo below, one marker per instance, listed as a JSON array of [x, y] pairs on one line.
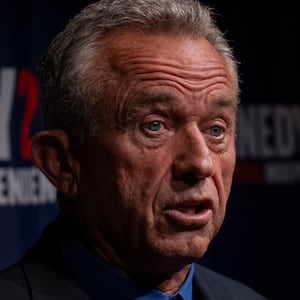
[[216, 131], [154, 126]]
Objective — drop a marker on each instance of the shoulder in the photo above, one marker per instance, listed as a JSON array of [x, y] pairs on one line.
[[42, 273], [29, 279], [214, 285], [13, 283]]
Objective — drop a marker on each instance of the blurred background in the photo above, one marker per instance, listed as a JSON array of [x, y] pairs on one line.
[[258, 243]]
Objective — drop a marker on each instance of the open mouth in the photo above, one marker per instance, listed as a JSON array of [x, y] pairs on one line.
[[196, 213], [191, 209]]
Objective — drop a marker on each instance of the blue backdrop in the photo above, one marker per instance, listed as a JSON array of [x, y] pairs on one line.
[[258, 241]]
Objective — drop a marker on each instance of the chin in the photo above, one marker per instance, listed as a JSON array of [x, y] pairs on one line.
[[187, 250]]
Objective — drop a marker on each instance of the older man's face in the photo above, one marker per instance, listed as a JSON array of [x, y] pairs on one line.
[[155, 182]]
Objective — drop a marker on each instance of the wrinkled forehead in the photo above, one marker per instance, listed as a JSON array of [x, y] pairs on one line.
[[131, 53], [125, 46]]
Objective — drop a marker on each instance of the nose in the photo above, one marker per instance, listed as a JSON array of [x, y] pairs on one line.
[[193, 160]]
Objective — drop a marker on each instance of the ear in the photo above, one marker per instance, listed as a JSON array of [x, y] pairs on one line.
[[50, 152]]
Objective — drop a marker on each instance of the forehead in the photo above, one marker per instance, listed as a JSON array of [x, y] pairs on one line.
[[186, 64], [126, 47], [184, 48]]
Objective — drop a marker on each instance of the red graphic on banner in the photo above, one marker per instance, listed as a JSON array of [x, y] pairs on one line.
[[27, 89]]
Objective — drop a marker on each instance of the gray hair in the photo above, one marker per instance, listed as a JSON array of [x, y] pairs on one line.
[[69, 89]]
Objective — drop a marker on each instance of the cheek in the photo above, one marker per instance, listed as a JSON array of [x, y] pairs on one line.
[[140, 180], [227, 162], [118, 188], [109, 204]]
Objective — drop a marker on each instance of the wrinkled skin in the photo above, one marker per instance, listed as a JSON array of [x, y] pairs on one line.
[[153, 185]]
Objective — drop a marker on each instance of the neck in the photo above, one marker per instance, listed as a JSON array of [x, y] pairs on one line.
[[162, 273], [171, 283], [149, 277]]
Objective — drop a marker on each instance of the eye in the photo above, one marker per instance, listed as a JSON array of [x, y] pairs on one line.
[[153, 126], [216, 131]]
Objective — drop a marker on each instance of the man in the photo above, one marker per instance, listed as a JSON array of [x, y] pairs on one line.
[[139, 100]]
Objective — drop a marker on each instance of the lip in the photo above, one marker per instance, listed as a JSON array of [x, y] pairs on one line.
[[195, 214]]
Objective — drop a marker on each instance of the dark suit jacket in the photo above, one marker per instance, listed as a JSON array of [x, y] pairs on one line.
[[42, 274]]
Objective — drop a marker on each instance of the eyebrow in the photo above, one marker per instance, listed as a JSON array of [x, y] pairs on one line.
[[225, 102], [144, 99]]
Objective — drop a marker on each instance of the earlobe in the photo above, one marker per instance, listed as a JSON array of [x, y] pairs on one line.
[[50, 152]]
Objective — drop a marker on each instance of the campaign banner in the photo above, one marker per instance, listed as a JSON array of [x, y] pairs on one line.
[[27, 199], [268, 144]]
